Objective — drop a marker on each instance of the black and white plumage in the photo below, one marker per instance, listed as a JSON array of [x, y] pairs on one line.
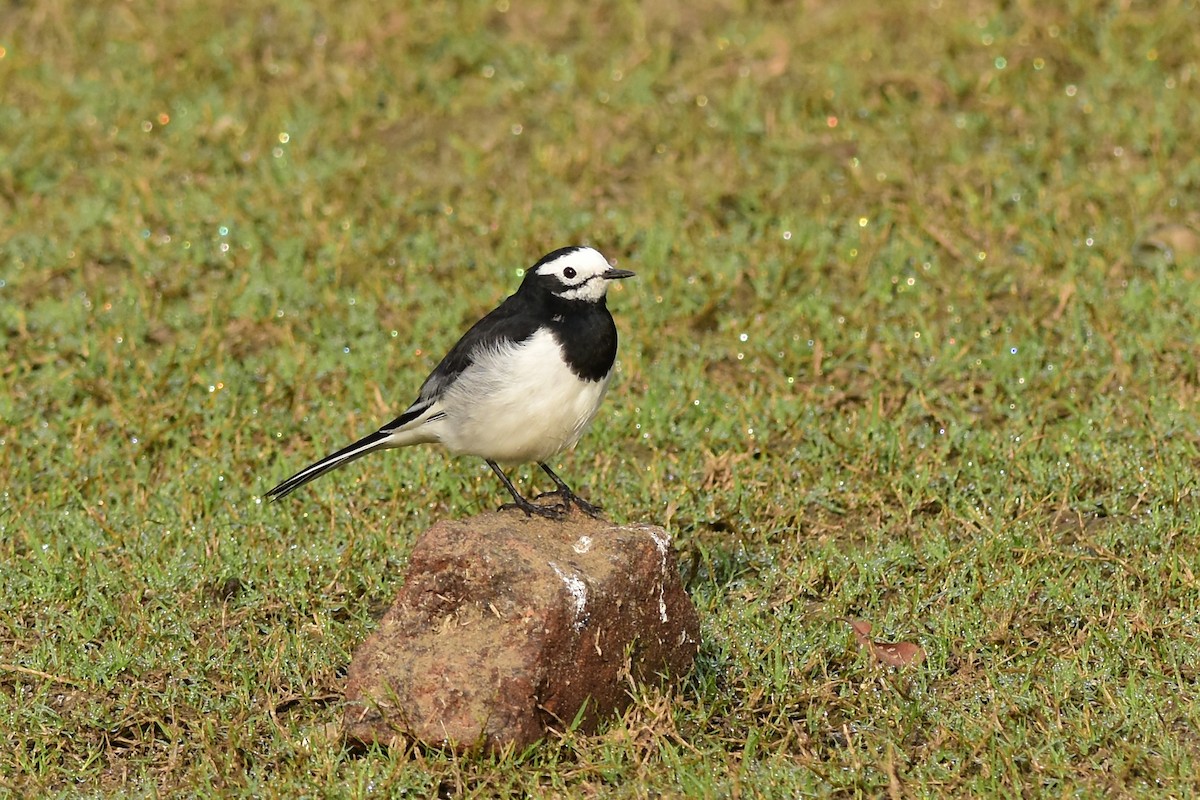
[[522, 385]]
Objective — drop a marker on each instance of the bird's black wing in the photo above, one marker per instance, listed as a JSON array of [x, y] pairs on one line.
[[513, 321]]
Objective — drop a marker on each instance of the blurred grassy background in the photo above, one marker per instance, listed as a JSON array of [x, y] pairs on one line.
[[913, 340]]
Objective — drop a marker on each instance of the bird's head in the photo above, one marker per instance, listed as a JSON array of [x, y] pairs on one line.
[[575, 273]]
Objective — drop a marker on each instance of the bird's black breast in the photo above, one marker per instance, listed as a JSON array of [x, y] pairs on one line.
[[587, 335]]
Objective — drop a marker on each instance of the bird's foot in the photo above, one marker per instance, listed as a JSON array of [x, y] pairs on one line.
[[556, 511], [567, 498]]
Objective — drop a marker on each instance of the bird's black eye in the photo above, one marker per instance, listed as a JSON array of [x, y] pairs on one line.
[[569, 273]]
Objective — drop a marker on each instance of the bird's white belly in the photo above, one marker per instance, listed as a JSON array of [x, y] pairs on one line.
[[519, 403]]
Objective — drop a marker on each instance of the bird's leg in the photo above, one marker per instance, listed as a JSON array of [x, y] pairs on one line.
[[568, 496], [519, 501]]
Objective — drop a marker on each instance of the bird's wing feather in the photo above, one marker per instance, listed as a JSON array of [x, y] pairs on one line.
[[509, 322]]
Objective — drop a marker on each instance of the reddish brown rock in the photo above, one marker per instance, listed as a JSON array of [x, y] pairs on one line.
[[507, 626]]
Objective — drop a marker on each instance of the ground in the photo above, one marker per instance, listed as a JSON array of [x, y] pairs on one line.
[[912, 341]]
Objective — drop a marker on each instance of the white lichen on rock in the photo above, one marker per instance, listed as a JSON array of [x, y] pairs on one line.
[[578, 591], [663, 543]]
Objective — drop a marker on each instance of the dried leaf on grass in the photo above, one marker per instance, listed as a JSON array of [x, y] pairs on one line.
[[897, 654], [1175, 242]]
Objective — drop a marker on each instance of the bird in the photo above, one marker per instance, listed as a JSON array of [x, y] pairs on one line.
[[522, 385]]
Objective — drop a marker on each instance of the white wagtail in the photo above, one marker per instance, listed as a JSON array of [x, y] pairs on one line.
[[521, 385]]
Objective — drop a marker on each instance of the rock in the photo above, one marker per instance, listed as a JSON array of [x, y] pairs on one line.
[[508, 626]]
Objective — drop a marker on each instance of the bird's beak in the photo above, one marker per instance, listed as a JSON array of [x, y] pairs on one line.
[[612, 274]]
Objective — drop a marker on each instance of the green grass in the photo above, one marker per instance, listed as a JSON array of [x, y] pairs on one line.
[[898, 350]]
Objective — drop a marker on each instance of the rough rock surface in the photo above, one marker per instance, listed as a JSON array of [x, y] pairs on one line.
[[508, 626]]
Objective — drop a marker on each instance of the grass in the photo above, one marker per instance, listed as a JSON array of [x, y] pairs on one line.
[[904, 346]]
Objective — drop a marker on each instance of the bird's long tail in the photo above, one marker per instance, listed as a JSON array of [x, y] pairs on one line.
[[376, 441]]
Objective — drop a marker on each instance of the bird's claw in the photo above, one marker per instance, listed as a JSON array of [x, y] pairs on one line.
[[557, 511], [568, 498]]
